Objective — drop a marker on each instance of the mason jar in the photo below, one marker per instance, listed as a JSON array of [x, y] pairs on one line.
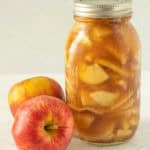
[[102, 69]]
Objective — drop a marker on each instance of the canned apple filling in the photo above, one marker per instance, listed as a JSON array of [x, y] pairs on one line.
[[103, 78]]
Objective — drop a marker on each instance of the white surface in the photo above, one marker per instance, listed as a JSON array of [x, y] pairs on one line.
[[33, 34], [139, 142]]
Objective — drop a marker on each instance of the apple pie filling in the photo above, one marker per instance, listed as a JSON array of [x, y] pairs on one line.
[[102, 79]]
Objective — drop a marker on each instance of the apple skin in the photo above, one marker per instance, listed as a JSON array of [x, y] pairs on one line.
[[33, 116], [29, 88]]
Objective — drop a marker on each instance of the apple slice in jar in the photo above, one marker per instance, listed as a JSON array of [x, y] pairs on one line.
[[125, 124], [89, 57], [116, 53], [122, 84], [134, 120], [114, 67], [122, 134], [135, 116], [83, 120], [104, 98], [128, 105], [81, 38], [97, 33], [85, 98], [101, 130], [70, 91], [129, 38], [97, 111], [92, 74], [118, 105]]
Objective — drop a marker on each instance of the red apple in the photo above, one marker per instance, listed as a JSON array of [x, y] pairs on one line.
[[43, 123], [32, 87]]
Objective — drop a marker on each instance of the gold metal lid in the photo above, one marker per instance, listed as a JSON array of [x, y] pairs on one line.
[[103, 8]]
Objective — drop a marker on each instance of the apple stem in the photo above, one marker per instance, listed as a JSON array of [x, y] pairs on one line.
[[50, 127]]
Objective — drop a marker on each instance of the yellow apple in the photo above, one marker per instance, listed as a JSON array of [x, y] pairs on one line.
[[32, 87]]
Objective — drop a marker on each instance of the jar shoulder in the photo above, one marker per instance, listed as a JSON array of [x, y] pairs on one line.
[[89, 34]]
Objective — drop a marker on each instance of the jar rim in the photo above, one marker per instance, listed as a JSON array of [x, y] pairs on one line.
[[103, 8]]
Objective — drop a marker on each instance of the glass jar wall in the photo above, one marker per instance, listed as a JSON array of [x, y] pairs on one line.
[[103, 79]]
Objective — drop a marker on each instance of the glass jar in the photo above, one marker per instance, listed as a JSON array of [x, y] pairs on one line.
[[103, 71]]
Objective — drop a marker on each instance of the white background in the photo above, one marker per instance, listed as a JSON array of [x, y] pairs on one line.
[[32, 40], [33, 34]]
